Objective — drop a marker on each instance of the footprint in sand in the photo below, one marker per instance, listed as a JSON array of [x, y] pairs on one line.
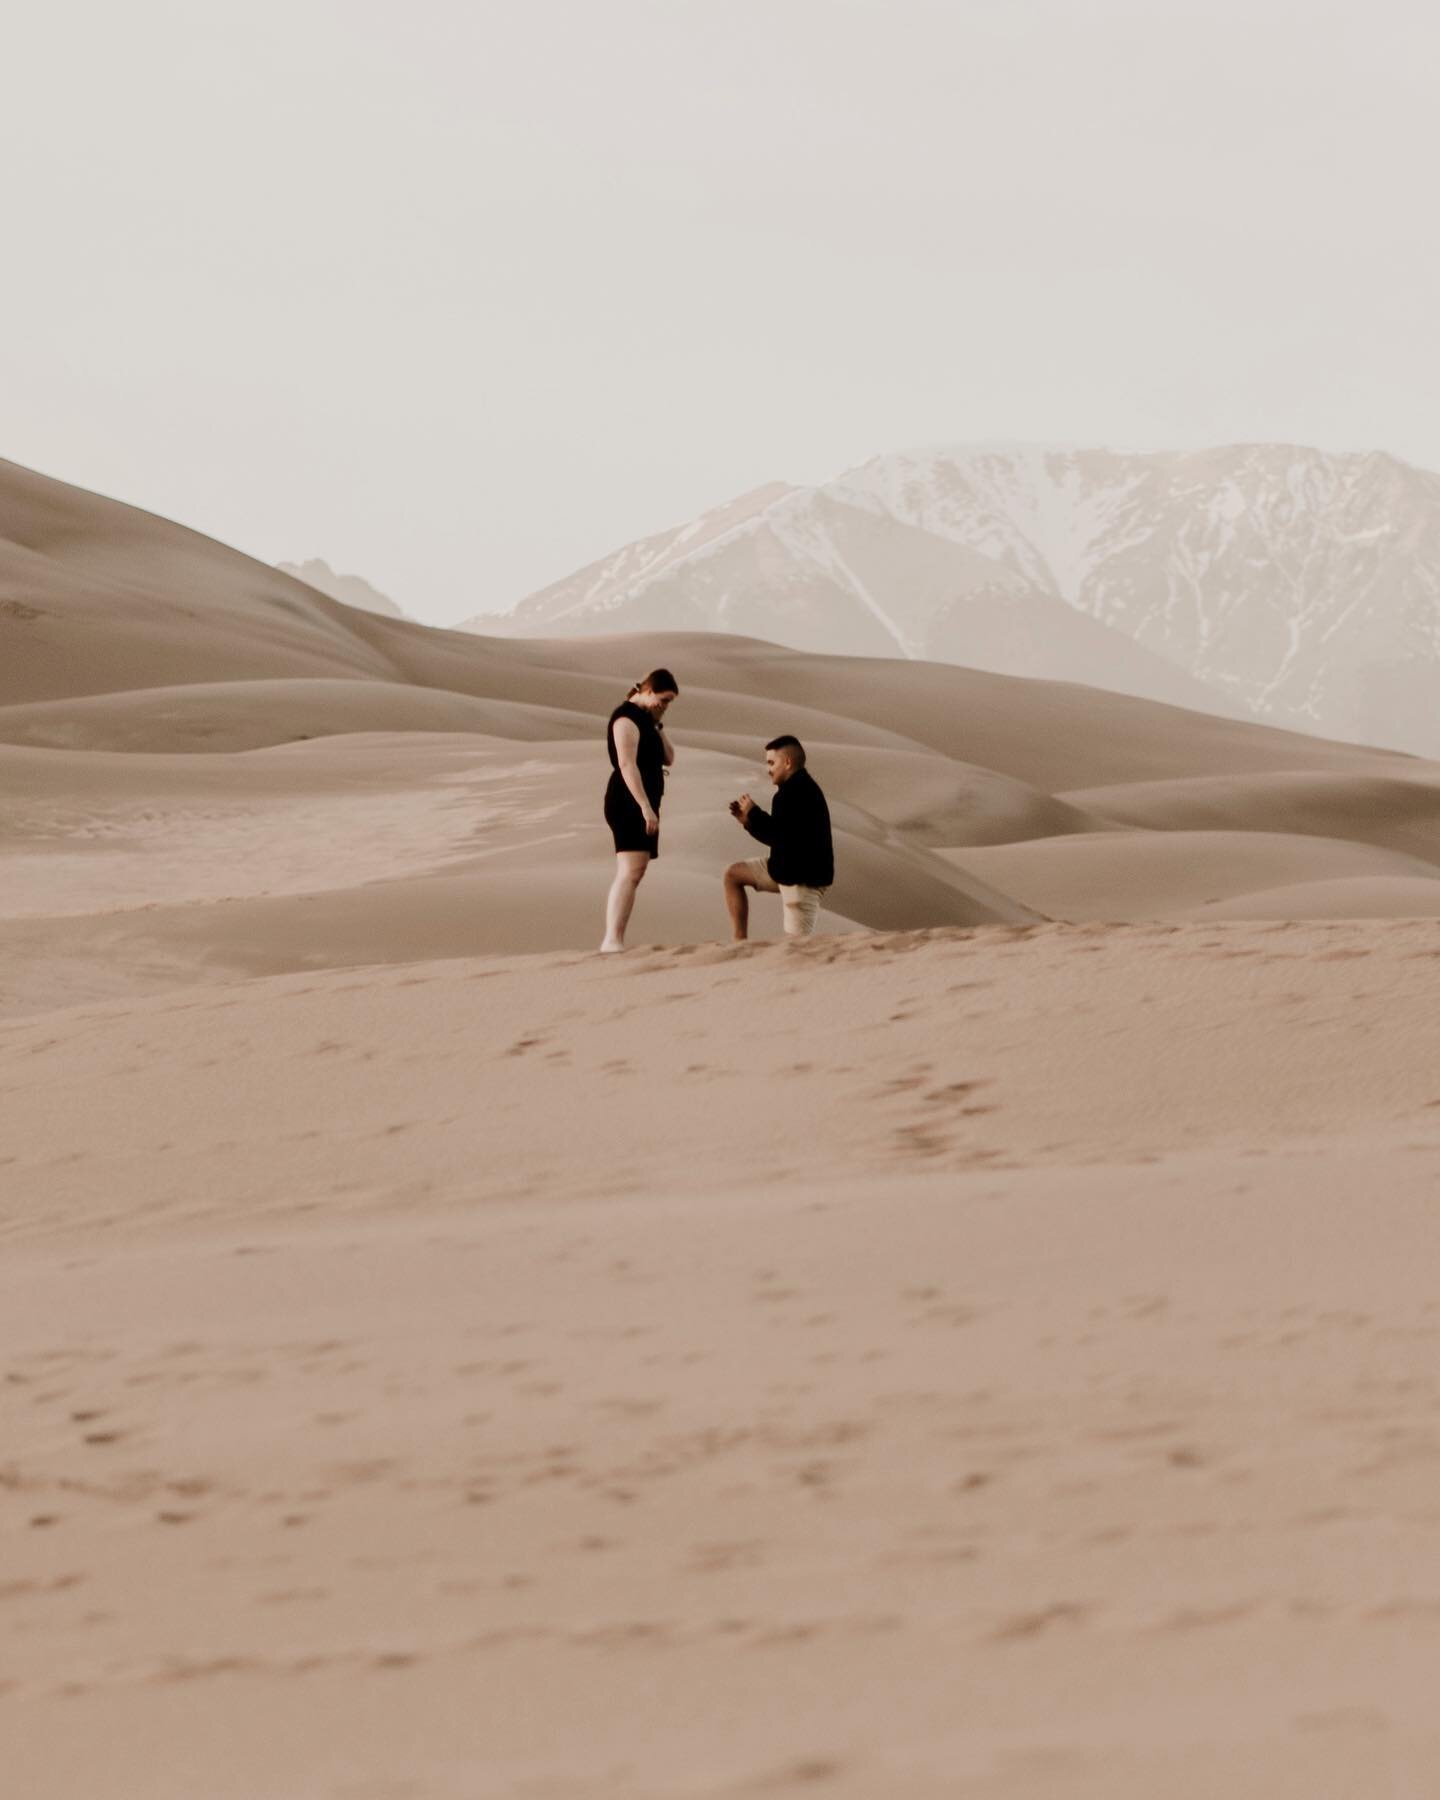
[[809, 1771], [719, 1557], [1032, 1624]]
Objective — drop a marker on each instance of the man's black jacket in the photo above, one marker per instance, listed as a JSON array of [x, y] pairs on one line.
[[798, 833]]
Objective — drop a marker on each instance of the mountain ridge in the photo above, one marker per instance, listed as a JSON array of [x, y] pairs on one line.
[[1297, 586], [350, 590]]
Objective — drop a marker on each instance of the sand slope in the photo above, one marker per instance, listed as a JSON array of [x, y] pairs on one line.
[[1398, 809], [893, 1367], [98, 597], [126, 875], [252, 715], [1163, 874]]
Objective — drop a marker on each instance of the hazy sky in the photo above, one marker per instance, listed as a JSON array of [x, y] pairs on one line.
[[459, 294]]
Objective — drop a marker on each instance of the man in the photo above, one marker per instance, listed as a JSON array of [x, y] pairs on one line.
[[801, 864]]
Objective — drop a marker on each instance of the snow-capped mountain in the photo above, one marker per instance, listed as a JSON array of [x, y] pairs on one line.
[[353, 590], [1291, 584], [580, 602]]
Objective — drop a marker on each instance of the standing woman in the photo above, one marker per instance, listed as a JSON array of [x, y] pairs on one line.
[[640, 753]]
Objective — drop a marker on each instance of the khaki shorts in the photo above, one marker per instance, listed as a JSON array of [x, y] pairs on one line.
[[801, 904]]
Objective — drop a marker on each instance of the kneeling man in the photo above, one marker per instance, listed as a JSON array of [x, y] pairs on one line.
[[801, 864]]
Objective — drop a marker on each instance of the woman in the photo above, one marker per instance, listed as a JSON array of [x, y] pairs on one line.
[[640, 753]]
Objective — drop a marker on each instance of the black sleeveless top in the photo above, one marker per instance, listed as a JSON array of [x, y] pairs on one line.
[[649, 756]]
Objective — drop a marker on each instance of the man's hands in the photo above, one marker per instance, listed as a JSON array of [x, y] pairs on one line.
[[742, 808]]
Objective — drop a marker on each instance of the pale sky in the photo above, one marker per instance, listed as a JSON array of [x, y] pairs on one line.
[[460, 294]]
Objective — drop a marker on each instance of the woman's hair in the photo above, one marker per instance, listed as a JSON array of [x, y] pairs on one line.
[[658, 681]]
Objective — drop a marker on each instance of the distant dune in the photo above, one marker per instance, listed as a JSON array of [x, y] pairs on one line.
[[215, 766]]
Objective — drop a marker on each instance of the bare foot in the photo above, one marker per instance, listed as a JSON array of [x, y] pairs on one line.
[[609, 949]]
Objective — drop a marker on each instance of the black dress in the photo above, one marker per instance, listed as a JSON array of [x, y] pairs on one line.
[[622, 815]]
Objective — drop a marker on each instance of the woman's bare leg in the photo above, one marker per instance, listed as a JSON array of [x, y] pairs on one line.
[[630, 867]]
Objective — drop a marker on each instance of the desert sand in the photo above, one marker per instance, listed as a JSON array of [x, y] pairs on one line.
[[989, 1349]]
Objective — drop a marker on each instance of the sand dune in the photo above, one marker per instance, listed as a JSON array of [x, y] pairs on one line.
[[100, 598], [1056, 736], [436, 794], [126, 874], [1342, 897], [97, 597], [889, 1367], [1398, 810], [1167, 874], [950, 1356], [251, 715]]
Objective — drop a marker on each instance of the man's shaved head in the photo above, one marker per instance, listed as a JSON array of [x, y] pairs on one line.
[[783, 757]]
